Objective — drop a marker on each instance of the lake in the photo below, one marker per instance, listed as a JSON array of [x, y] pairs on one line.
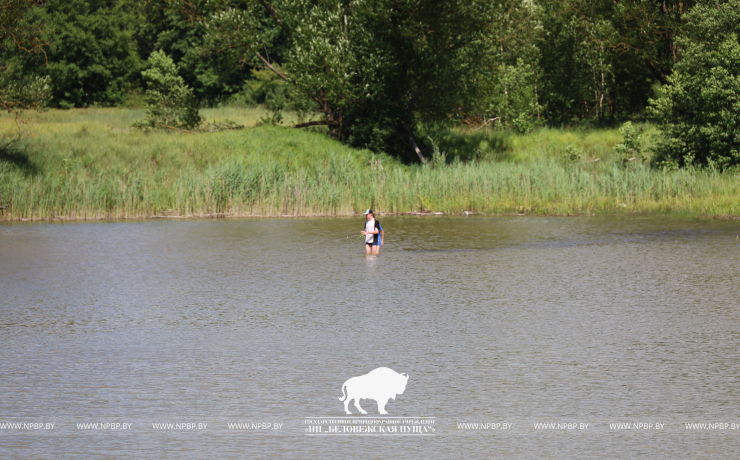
[[522, 337]]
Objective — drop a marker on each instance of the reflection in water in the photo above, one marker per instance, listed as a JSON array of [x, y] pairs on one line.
[[371, 260], [496, 319]]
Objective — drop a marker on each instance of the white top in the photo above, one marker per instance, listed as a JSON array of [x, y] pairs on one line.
[[369, 227]]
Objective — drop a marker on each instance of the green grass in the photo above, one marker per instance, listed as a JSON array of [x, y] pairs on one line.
[[89, 164]]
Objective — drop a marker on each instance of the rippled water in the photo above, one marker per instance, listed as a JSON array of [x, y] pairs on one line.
[[569, 321]]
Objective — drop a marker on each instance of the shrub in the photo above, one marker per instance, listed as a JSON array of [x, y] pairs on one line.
[[572, 154], [170, 102], [630, 147]]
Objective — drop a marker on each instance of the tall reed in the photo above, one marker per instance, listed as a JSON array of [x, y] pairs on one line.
[[91, 166]]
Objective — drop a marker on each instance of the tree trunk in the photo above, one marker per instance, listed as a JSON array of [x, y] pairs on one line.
[[334, 122], [414, 147], [335, 131]]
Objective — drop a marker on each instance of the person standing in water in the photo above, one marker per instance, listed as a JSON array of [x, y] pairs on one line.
[[373, 233]]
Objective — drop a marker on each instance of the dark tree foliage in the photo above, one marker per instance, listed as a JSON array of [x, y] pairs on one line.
[[648, 29], [15, 30], [375, 71], [700, 113], [431, 50], [374, 68], [600, 59], [213, 76], [18, 36], [91, 56], [506, 84]]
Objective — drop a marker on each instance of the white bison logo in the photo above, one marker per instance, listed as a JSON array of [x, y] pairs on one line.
[[381, 385]]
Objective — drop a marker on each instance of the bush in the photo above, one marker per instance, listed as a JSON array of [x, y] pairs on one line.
[[630, 148], [266, 88], [572, 154], [699, 113], [170, 102]]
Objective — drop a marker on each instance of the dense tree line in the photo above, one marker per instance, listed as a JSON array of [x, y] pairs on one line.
[[375, 69], [588, 60]]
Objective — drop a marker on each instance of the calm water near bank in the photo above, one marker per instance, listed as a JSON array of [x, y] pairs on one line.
[[561, 327]]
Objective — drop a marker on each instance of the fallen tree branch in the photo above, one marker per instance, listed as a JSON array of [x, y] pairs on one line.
[[488, 121], [316, 123], [176, 129], [216, 127]]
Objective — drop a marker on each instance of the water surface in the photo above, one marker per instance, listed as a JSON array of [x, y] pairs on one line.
[[525, 321]]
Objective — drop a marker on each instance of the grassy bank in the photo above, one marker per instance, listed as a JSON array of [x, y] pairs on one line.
[[88, 164]]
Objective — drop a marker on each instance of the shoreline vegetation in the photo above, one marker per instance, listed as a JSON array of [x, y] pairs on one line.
[[89, 164]]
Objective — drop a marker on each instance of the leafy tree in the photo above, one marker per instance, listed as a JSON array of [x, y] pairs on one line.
[[92, 54], [699, 114], [646, 33], [98, 49], [509, 77], [15, 31], [577, 62], [170, 102], [647, 29], [373, 68], [18, 36], [601, 59], [27, 93]]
